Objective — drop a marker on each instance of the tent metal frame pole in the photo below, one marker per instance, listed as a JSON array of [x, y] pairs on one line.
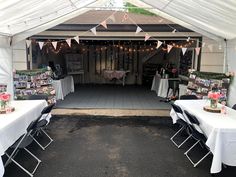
[[225, 68]]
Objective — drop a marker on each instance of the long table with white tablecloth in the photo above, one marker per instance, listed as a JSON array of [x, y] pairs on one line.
[[14, 124], [161, 85], [63, 87], [220, 130]]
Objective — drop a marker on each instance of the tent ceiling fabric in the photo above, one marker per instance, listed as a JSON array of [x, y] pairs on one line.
[[19, 16], [211, 16], [216, 17]]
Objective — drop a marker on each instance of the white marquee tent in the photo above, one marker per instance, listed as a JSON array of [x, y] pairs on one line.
[[20, 19]]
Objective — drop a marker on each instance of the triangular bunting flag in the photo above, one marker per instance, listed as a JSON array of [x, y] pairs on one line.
[[41, 45], [94, 31], [112, 17], [159, 43], [125, 17], [169, 47], [54, 45], [68, 42], [147, 36], [203, 44], [104, 24], [76, 38], [174, 31], [28, 42], [138, 30], [184, 50], [210, 47], [197, 49]]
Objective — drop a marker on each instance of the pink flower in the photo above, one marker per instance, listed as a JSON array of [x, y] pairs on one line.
[[174, 70], [214, 95], [5, 96]]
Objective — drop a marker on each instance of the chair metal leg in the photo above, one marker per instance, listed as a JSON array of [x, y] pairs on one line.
[[195, 164], [14, 151], [28, 172], [51, 140], [172, 138], [40, 145], [185, 141]]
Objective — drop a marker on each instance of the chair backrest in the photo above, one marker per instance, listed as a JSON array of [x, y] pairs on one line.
[[176, 108], [191, 118], [188, 97], [48, 109], [195, 124], [33, 124], [38, 97], [234, 107]]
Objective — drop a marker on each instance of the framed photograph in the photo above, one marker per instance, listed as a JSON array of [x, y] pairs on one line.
[[3, 88], [192, 76]]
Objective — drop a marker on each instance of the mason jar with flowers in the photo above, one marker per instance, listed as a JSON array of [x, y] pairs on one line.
[[214, 98], [4, 100]]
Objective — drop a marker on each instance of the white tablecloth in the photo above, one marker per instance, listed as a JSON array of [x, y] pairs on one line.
[[115, 74], [182, 89], [160, 86], [63, 87], [220, 130], [13, 125]]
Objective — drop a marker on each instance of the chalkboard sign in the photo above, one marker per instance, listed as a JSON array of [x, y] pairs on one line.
[[74, 63]]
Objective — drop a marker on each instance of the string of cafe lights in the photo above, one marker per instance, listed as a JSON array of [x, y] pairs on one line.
[[188, 40], [142, 48]]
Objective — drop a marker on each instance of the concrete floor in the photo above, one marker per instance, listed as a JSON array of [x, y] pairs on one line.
[[113, 147]]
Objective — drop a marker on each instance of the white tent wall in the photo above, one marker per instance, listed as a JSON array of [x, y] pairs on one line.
[[212, 58], [231, 59], [19, 56], [17, 25], [6, 68]]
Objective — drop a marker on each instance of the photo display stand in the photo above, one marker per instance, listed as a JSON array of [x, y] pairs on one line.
[[33, 82], [200, 83]]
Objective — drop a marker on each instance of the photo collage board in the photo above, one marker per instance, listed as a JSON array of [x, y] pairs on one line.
[[200, 86], [33, 82], [3, 87]]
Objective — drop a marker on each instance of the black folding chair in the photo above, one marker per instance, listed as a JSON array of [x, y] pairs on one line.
[[234, 107], [38, 97], [188, 97], [22, 143], [183, 124], [198, 135], [41, 125]]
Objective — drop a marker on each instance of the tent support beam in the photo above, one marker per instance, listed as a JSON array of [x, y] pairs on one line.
[[49, 24], [163, 14], [225, 68]]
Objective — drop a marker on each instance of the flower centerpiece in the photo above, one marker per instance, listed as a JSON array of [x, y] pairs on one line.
[[174, 72], [4, 100], [214, 97]]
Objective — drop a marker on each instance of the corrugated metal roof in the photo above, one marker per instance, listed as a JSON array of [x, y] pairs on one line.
[[97, 16]]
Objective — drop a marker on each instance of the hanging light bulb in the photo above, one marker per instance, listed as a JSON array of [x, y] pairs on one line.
[[188, 39], [220, 47]]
